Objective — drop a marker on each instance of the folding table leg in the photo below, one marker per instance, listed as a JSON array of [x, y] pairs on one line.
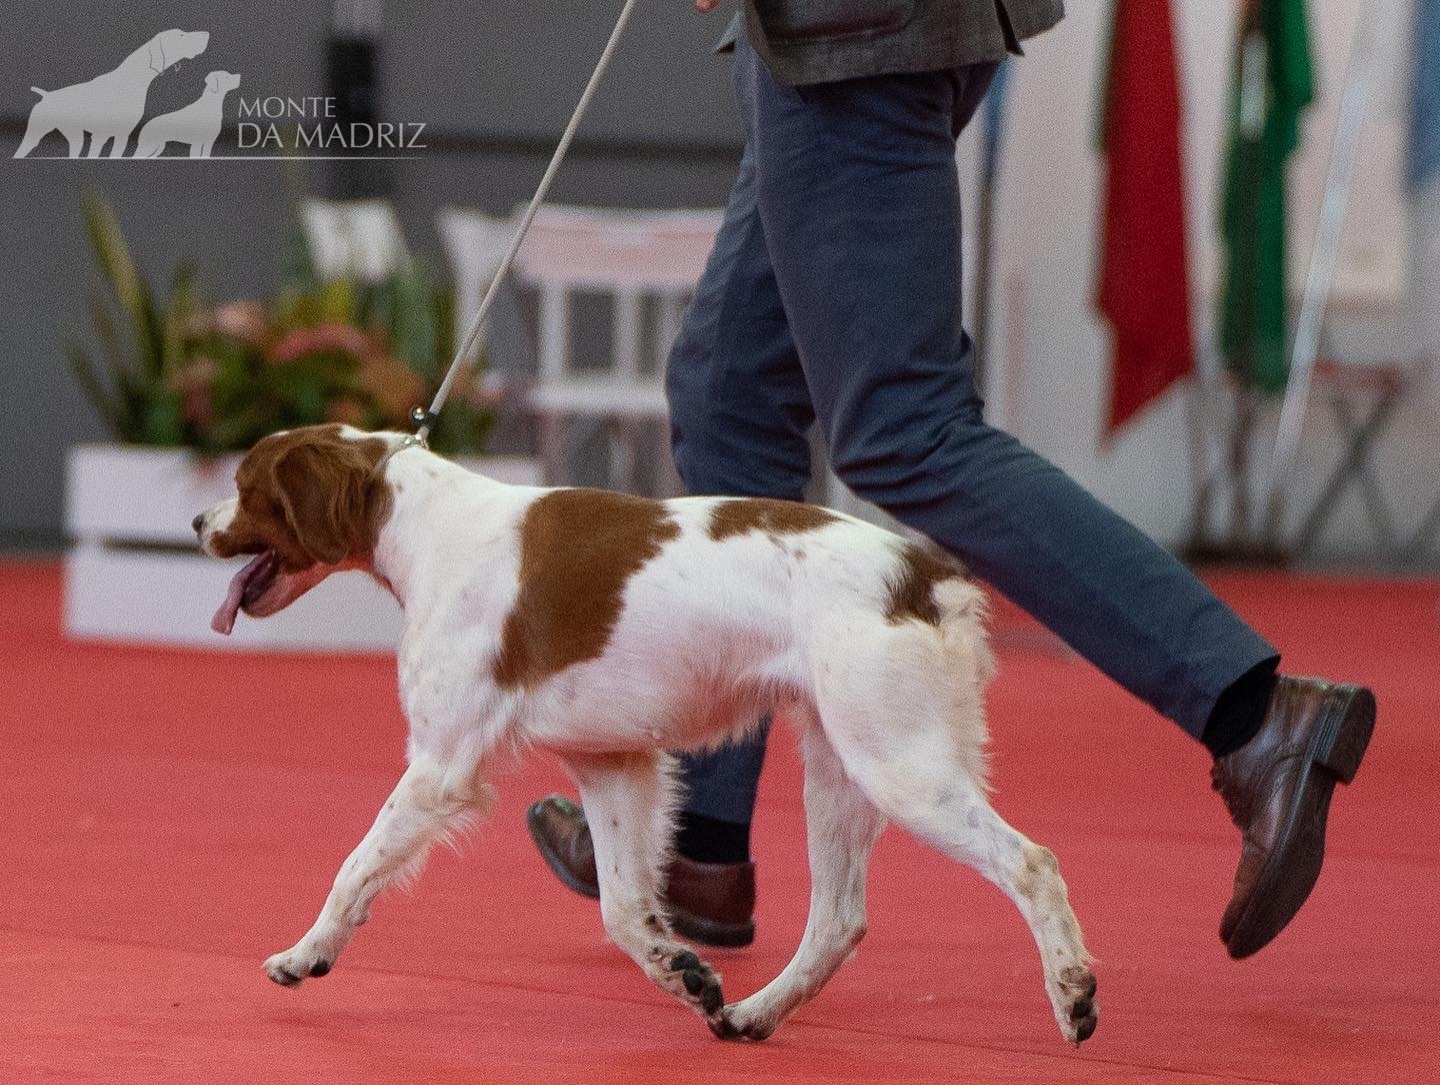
[[1366, 434], [1424, 536], [1356, 466]]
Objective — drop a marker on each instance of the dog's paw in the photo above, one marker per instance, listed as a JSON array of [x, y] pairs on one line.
[[289, 968], [739, 1023], [1075, 1006], [694, 981]]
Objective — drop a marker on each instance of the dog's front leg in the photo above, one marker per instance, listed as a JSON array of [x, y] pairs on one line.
[[627, 804], [426, 806]]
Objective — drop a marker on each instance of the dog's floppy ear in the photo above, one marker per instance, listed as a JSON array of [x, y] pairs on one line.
[[325, 491], [157, 52], [212, 82]]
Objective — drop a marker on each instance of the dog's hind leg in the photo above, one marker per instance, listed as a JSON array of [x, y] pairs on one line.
[[905, 716], [628, 803], [430, 802], [842, 826]]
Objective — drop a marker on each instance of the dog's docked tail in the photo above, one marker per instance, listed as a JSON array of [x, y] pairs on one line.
[[40, 92], [956, 604]]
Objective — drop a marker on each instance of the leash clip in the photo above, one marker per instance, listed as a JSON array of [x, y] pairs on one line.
[[424, 422]]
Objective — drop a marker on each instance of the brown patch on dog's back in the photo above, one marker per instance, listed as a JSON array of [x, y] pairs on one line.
[[741, 515], [912, 592], [578, 550]]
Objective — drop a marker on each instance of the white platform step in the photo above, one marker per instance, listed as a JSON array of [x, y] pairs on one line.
[[150, 597], [136, 576]]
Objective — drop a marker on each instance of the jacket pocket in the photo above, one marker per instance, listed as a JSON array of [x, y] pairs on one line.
[[798, 21]]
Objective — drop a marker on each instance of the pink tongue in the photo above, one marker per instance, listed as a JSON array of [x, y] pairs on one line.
[[224, 620]]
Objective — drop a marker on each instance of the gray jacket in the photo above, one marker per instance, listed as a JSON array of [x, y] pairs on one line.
[[818, 41]]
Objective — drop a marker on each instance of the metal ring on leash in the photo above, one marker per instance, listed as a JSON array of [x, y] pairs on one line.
[[425, 419]]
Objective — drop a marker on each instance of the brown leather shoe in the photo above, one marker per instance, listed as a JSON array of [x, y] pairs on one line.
[[711, 903], [562, 836], [1277, 788]]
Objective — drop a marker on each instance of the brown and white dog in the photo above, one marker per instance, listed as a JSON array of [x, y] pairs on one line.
[[608, 629]]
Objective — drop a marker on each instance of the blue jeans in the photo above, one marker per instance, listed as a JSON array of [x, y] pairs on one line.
[[833, 295]]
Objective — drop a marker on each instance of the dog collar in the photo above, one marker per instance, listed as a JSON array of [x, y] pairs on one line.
[[410, 440]]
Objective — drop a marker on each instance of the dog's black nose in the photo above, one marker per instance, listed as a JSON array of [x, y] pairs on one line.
[[198, 523]]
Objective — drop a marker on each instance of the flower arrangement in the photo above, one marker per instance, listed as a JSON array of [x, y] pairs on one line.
[[173, 371]]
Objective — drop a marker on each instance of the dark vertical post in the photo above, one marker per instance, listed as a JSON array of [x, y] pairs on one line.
[[352, 71]]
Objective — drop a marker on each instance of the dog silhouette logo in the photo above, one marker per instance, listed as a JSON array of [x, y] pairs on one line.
[[196, 124], [109, 107]]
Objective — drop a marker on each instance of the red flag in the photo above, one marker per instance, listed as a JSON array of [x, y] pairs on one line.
[[1144, 287]]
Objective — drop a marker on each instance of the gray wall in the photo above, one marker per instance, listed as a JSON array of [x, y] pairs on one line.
[[494, 82]]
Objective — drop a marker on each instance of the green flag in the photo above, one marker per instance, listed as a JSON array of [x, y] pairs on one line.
[[1274, 82]]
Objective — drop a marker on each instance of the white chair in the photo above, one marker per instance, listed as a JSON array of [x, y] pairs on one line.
[[647, 264], [353, 238], [475, 245]]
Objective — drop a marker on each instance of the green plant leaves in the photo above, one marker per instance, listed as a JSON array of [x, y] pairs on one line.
[[118, 270], [174, 372]]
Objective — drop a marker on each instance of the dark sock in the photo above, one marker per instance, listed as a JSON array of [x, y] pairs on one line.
[[711, 840], [1240, 711]]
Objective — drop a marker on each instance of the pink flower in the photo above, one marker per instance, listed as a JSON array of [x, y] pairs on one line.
[[196, 384], [244, 320], [336, 337]]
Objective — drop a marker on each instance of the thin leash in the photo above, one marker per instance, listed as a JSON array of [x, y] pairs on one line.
[[425, 419]]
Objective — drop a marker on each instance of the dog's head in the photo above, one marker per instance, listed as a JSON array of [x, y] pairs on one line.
[[311, 501], [172, 46], [221, 83]]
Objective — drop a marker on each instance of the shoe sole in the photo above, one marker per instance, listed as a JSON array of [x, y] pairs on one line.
[[1293, 867], [710, 932], [558, 868]]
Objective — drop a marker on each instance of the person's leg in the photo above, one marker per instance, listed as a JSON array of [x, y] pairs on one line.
[[858, 196], [740, 414], [739, 408]]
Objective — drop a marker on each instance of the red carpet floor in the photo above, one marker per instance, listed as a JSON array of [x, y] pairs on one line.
[[171, 818]]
